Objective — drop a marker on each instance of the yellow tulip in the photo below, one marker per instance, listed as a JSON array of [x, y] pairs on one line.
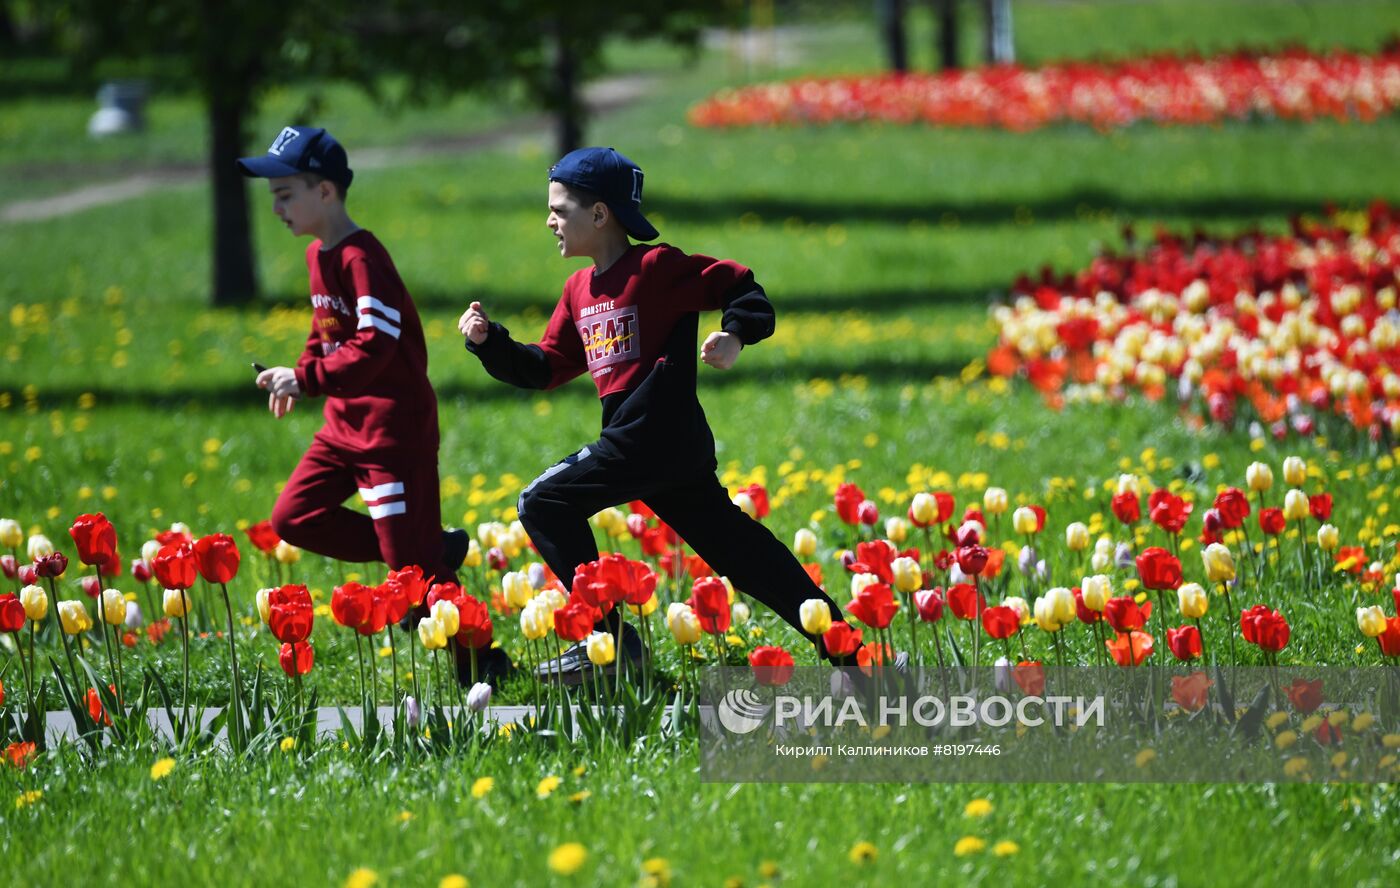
[[924, 508], [1370, 620], [1259, 477], [647, 609], [1054, 609], [994, 501], [729, 587], [1295, 471], [682, 622], [896, 529], [1328, 539], [1023, 520], [11, 534], [1077, 536], [739, 613], [149, 550], [1295, 505], [515, 585], [908, 577], [1096, 591], [536, 620], [816, 616], [601, 649], [431, 634], [473, 559], [73, 617], [804, 543], [551, 599], [1018, 604], [445, 612], [1192, 601], [176, 603], [39, 547], [286, 553], [35, 601], [860, 581], [113, 607], [1219, 562], [746, 504], [264, 604]]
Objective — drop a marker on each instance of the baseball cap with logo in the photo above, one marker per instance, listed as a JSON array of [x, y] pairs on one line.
[[301, 149], [614, 178]]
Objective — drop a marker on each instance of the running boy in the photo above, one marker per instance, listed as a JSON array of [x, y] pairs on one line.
[[367, 356], [631, 321]]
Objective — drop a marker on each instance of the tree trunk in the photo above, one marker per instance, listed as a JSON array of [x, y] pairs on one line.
[[892, 30], [235, 279], [568, 111], [946, 14]]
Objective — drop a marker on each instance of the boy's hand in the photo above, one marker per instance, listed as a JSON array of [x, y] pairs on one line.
[[721, 350], [280, 406], [474, 324], [281, 382]]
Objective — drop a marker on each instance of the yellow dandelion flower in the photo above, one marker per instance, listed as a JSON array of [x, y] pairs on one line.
[[162, 768], [288, 744], [579, 797], [863, 852], [405, 816], [968, 845], [580, 770], [568, 858], [659, 868], [768, 869], [1276, 719], [1391, 741], [546, 787], [1142, 759], [481, 786], [26, 799], [1295, 766], [978, 808], [362, 878], [1005, 848], [455, 880]]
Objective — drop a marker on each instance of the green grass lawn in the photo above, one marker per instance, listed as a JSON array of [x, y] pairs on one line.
[[881, 249]]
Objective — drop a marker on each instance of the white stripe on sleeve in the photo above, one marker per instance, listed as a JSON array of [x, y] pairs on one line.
[[378, 323], [380, 491], [384, 511], [365, 303]]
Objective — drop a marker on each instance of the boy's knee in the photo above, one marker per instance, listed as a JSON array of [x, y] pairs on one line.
[[286, 523]]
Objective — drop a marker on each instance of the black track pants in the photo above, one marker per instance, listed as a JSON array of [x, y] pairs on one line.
[[556, 506]]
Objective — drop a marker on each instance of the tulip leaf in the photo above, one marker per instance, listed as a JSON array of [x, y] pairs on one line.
[[1254, 716], [1227, 699]]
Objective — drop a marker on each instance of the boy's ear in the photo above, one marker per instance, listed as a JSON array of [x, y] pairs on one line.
[[601, 214]]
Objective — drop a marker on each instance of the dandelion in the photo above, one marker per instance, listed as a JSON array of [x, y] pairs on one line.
[[568, 858], [579, 797], [162, 768], [968, 845], [26, 799], [362, 878], [546, 787], [1144, 758], [455, 880], [863, 852], [288, 744], [978, 808], [481, 786], [1005, 848]]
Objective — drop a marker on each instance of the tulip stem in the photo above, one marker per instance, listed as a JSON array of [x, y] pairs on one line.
[[236, 701], [1229, 620], [72, 667], [393, 663], [106, 643], [31, 664], [413, 665], [185, 645]]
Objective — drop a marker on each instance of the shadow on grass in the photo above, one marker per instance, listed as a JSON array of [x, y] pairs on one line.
[[473, 386]]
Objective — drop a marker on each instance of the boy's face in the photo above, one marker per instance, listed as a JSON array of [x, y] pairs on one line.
[[575, 225], [300, 206]]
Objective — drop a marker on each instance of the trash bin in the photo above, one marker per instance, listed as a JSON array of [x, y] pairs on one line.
[[121, 108]]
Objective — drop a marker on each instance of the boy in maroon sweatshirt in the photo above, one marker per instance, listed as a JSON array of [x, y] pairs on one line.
[[631, 322], [366, 355]]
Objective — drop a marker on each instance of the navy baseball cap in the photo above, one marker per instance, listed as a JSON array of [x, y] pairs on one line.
[[614, 178], [301, 149]]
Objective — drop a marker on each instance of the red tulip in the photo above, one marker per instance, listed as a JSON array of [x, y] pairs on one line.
[[95, 538], [772, 666], [1305, 695], [574, 621], [409, 584], [1039, 517], [944, 560], [841, 640], [929, 603], [1184, 642], [296, 659], [1168, 511], [759, 495], [1320, 505], [94, 706], [1130, 648], [9, 566], [971, 559], [875, 557], [28, 576], [290, 613], [496, 559], [1271, 521], [1085, 614], [91, 586], [710, 601], [848, 500], [1126, 508], [995, 558], [627, 580], [1264, 627], [475, 629], [867, 513], [174, 565], [1030, 675], [874, 606], [140, 571], [1233, 507], [52, 566], [11, 613], [946, 504], [264, 538], [1159, 569], [1389, 640], [216, 556], [1001, 621], [20, 753], [1211, 525], [1191, 692], [1124, 614], [443, 592], [351, 604], [966, 601]]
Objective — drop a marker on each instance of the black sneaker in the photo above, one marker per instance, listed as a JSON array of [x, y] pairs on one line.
[[492, 666], [573, 666], [455, 545]]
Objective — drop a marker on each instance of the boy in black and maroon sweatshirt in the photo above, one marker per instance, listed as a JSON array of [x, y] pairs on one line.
[[631, 321], [366, 355]]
